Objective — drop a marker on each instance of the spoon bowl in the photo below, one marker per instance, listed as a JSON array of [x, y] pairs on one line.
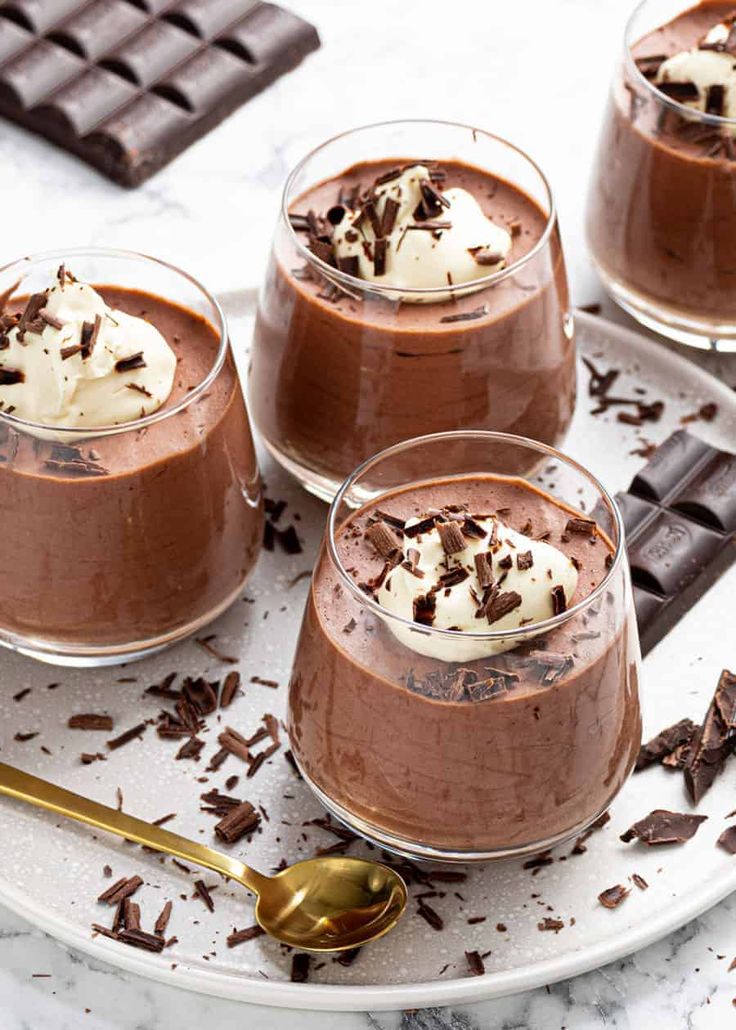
[[332, 903]]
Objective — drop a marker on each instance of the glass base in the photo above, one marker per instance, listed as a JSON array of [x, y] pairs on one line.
[[710, 336], [93, 656], [321, 486], [417, 851]]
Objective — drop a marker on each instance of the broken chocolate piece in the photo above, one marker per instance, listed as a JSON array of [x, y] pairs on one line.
[[663, 827], [665, 743], [713, 742], [613, 896]]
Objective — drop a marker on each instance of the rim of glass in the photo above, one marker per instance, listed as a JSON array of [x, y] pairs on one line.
[[674, 105], [68, 255], [352, 281], [522, 632]]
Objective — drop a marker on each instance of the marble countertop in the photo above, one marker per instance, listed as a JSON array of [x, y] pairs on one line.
[[538, 75]]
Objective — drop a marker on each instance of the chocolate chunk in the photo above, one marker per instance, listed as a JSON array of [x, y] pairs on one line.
[[665, 743], [453, 577], [663, 827], [300, 964], [524, 561], [559, 601], [470, 528], [680, 91], [555, 925], [237, 822], [45, 315], [613, 896], [128, 364], [380, 247], [429, 915], [11, 376], [120, 890], [203, 891], [484, 570], [713, 742], [138, 938], [485, 257], [388, 218], [640, 882], [230, 688], [581, 525], [727, 840], [452, 537], [714, 98], [649, 66], [128, 87], [475, 963], [125, 738], [502, 604], [383, 539]]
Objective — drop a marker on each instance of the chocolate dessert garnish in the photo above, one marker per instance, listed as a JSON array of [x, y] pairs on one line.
[[120, 890], [163, 919], [555, 925], [125, 738], [88, 339], [202, 891], [470, 528], [663, 827], [128, 364], [390, 212], [649, 66], [727, 840], [713, 742], [680, 91], [559, 601], [11, 376], [483, 256], [33, 305], [475, 963], [581, 525], [69, 352], [300, 964], [45, 315], [502, 604], [423, 526], [453, 577], [483, 570], [613, 896], [452, 537], [665, 743], [139, 389], [383, 539], [380, 247], [350, 265], [250, 933], [524, 561], [640, 882], [90, 721], [230, 688], [466, 316], [430, 915], [714, 98], [506, 563]]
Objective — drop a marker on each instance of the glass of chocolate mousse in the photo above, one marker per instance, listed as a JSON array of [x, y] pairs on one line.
[[465, 685], [661, 218], [416, 285], [129, 489]]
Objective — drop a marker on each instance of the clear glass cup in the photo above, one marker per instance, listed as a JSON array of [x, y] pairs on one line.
[[514, 770], [341, 368], [120, 540], [661, 216]]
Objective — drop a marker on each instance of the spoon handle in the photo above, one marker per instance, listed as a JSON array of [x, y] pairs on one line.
[[25, 787]]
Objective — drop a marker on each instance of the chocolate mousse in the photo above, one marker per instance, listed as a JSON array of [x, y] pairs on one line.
[[456, 743], [661, 216], [368, 333], [116, 543]]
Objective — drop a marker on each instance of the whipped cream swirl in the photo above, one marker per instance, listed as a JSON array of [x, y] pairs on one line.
[[472, 575], [72, 361], [414, 236], [710, 68]]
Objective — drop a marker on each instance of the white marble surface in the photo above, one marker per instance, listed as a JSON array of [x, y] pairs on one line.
[[537, 73]]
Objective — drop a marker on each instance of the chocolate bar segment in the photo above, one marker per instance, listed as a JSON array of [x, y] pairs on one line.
[[680, 520], [127, 85]]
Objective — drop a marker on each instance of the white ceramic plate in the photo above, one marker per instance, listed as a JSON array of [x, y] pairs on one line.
[[51, 872]]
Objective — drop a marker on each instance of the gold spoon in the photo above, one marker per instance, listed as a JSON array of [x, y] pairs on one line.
[[321, 904]]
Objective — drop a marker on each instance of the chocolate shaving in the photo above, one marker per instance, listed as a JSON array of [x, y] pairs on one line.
[[90, 721], [125, 738], [429, 915], [34, 304], [163, 920], [502, 604], [524, 561], [130, 363], [663, 827], [202, 891], [237, 822], [680, 91], [424, 607], [640, 882], [140, 939], [649, 66], [559, 601], [483, 256], [388, 219], [89, 334], [470, 528], [250, 933], [11, 376], [120, 890], [453, 577], [727, 840], [581, 525], [714, 99], [383, 539], [475, 963], [555, 925], [230, 688], [45, 315], [613, 896], [483, 570], [423, 526], [452, 537], [380, 247]]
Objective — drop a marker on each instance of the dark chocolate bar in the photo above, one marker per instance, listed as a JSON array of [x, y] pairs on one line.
[[127, 85], [680, 519]]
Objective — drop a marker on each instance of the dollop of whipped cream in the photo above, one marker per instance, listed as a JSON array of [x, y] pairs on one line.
[[710, 68], [472, 575], [412, 235], [70, 360]]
